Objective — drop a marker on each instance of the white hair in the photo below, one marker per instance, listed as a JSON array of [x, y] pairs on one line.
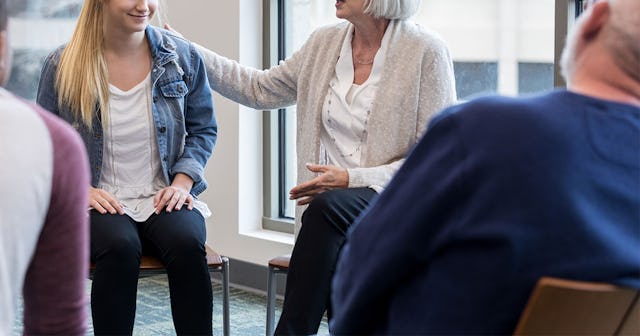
[[567, 60], [392, 9]]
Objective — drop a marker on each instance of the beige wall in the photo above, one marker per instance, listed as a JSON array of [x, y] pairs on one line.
[[233, 29]]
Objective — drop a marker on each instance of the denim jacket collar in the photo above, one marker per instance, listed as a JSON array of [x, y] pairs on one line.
[[163, 50]]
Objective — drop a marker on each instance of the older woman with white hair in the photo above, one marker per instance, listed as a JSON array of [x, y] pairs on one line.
[[365, 90]]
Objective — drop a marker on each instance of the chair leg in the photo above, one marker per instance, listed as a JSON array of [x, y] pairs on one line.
[[271, 301], [225, 296]]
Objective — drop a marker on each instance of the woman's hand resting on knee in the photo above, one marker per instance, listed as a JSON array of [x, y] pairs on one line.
[[175, 196], [329, 177], [103, 202]]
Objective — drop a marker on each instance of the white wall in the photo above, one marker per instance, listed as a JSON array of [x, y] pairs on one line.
[[233, 29]]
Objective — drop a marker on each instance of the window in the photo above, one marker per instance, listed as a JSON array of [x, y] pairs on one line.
[[36, 28], [498, 47]]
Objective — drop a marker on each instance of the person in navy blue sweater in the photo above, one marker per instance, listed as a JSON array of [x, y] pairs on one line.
[[502, 191]]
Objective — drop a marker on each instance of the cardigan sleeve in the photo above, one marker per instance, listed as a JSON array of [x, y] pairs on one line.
[[259, 89]]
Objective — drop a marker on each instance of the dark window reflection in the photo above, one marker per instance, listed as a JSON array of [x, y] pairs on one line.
[[475, 78], [29, 57], [534, 77]]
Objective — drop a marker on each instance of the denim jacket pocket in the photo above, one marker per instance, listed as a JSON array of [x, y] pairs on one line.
[[174, 94], [177, 89]]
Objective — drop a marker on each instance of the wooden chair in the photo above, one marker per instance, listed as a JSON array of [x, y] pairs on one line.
[[567, 307], [150, 265], [277, 265]]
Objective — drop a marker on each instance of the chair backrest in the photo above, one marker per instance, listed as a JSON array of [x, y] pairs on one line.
[[567, 307]]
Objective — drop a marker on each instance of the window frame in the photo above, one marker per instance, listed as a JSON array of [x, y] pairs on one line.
[[274, 50], [274, 121]]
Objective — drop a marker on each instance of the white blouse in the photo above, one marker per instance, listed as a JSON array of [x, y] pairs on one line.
[[347, 107], [131, 168]]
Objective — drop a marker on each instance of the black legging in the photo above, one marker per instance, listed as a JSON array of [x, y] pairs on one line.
[[314, 257], [177, 238]]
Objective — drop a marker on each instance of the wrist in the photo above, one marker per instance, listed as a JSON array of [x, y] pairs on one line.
[[182, 181]]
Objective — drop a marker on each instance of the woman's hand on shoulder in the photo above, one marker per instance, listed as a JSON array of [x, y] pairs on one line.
[[169, 28], [328, 177], [175, 196], [103, 202]]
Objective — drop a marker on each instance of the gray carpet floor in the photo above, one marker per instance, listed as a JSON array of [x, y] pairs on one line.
[[153, 314]]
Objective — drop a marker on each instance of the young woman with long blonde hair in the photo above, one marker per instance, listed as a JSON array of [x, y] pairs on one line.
[[140, 99]]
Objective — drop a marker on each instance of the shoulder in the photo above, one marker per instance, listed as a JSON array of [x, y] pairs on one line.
[[61, 133], [328, 32], [170, 41], [53, 58], [415, 35], [24, 138], [481, 108], [18, 117], [505, 116], [168, 35]]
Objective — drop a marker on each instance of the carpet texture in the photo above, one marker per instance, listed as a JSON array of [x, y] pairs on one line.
[[153, 314]]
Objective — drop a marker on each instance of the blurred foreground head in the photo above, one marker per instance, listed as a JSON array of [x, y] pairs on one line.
[[5, 47], [604, 47]]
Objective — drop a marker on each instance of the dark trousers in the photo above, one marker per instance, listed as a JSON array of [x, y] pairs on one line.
[[314, 257], [117, 244]]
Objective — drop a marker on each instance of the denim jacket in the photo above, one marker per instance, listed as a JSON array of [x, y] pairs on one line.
[[186, 128]]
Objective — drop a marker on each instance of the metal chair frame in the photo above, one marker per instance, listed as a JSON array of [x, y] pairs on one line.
[[278, 265]]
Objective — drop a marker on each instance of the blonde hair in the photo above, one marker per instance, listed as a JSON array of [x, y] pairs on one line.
[[82, 79]]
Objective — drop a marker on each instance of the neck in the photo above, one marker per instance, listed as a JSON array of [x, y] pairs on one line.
[[368, 33], [600, 77], [119, 42]]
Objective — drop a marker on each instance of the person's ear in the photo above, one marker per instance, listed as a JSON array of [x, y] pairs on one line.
[[599, 14]]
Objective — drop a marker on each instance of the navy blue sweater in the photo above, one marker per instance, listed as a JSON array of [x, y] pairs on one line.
[[498, 193]]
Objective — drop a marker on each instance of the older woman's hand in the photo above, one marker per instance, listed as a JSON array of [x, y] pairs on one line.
[[169, 28], [330, 177]]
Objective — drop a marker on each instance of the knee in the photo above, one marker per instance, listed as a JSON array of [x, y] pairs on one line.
[[326, 212], [183, 248], [324, 203], [123, 252]]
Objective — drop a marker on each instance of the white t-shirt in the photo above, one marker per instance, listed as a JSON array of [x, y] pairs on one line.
[[26, 169], [131, 168]]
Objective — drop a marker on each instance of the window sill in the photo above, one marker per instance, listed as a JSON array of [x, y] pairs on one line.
[[268, 233]]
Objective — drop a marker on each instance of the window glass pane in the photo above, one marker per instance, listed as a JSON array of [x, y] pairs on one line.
[[493, 37], [534, 77], [498, 46], [36, 28], [475, 78]]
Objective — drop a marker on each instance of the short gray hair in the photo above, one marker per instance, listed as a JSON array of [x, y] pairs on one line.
[[392, 9]]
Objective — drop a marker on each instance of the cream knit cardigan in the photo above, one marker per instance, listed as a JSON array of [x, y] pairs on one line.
[[417, 82]]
